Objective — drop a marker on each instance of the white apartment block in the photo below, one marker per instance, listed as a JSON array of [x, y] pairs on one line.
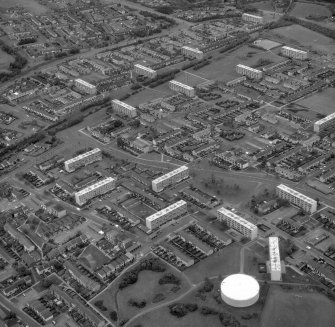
[[94, 190], [192, 52], [252, 18], [145, 71], [182, 88], [124, 108], [238, 223], [325, 123], [294, 53], [85, 86], [249, 71], [83, 160], [274, 259], [173, 177], [161, 217], [300, 200]]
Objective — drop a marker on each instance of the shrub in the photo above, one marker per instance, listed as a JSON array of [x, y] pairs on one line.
[[169, 278]]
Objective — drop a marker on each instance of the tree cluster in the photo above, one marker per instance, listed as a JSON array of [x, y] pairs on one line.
[[182, 309], [138, 304], [169, 278]]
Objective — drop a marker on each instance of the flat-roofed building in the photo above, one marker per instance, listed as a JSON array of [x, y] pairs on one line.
[[182, 88], [326, 123], [274, 259], [252, 18], [294, 53], [85, 86], [192, 52], [163, 216], [124, 108], [249, 71], [300, 200], [173, 177], [83, 160], [145, 71], [20, 237], [238, 223], [94, 190]]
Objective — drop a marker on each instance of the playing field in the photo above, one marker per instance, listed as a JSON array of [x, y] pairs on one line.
[[298, 35], [302, 9], [321, 102], [31, 5], [297, 309]]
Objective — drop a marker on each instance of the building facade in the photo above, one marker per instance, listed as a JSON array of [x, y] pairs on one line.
[[163, 216], [238, 223], [325, 123], [192, 52], [274, 259], [249, 72], [300, 200], [124, 108], [252, 18], [173, 177], [83, 160], [182, 88], [85, 86], [294, 53], [145, 71], [94, 190]]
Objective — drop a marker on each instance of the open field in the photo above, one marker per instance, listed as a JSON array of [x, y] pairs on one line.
[[141, 210], [5, 60], [321, 102], [190, 78], [298, 35], [302, 9], [297, 309], [224, 262], [143, 97], [262, 5], [31, 5]]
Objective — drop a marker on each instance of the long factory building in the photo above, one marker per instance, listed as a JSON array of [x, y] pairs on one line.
[[94, 190], [300, 200], [274, 259], [182, 88], [163, 216], [238, 223], [83, 160], [173, 177], [123, 108]]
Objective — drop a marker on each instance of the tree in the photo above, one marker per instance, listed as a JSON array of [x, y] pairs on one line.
[[113, 315]]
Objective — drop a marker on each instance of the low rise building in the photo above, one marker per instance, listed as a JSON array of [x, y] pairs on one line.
[[21, 238], [145, 71], [192, 52], [85, 86], [252, 18], [124, 108]]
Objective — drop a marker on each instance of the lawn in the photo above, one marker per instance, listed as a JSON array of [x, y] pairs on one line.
[[31, 5], [5, 60], [297, 309], [93, 258], [298, 35], [224, 262], [321, 102], [149, 95], [301, 9]]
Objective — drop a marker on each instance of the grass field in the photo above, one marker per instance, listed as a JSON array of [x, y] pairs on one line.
[[298, 35], [297, 309], [321, 102], [93, 258], [5, 60], [263, 5], [302, 9], [31, 5]]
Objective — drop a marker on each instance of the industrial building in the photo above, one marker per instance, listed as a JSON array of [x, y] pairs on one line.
[[161, 217], [124, 108], [145, 71], [83, 160], [300, 200], [252, 18], [326, 123], [192, 52], [249, 72], [274, 259], [94, 190], [182, 88], [173, 177], [85, 86], [294, 53], [238, 223], [239, 290]]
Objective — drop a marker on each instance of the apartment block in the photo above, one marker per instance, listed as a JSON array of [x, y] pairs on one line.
[[94, 190], [326, 123], [124, 108], [85, 86], [182, 88], [192, 52], [294, 53], [238, 223], [252, 18], [274, 259], [163, 216], [300, 200], [249, 72], [83, 160], [145, 71], [173, 177]]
